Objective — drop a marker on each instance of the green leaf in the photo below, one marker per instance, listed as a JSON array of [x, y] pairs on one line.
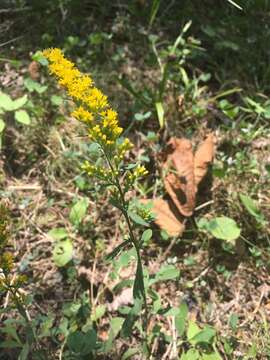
[[193, 330], [2, 125], [32, 85], [146, 236], [205, 336], [131, 318], [116, 326], [18, 103], [138, 287], [137, 219], [117, 250], [62, 252], [78, 211], [82, 343], [9, 344], [160, 114], [167, 272], [191, 354], [99, 312], [58, 233], [40, 58], [56, 100], [22, 117], [222, 228], [24, 352], [130, 352], [250, 206], [233, 321], [180, 319], [6, 102]]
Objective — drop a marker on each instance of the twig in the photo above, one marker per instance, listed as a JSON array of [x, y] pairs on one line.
[[10, 41]]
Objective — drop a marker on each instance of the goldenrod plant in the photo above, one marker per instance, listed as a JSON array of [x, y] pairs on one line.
[[93, 109], [10, 285]]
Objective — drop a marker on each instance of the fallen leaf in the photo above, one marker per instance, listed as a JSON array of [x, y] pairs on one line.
[[180, 183], [184, 171], [33, 69], [166, 219], [203, 157]]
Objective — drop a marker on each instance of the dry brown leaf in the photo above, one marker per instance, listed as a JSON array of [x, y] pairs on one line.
[[166, 219], [180, 184], [184, 173], [203, 157], [33, 69]]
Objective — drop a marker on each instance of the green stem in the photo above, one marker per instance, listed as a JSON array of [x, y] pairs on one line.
[[132, 238]]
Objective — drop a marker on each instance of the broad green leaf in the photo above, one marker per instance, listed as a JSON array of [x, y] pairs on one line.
[[22, 117], [82, 343], [2, 125], [58, 233], [160, 114], [18, 103], [62, 252], [78, 211], [6, 102], [222, 228]]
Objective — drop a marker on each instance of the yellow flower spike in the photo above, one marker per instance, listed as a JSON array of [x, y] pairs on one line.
[[82, 114]]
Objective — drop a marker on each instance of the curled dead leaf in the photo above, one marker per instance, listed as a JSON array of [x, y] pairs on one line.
[[203, 157], [166, 218], [184, 172]]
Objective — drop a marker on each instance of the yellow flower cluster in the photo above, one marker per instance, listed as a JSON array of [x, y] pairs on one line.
[[98, 171], [93, 107], [137, 173]]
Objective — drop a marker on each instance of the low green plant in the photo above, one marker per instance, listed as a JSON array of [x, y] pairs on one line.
[[15, 109]]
